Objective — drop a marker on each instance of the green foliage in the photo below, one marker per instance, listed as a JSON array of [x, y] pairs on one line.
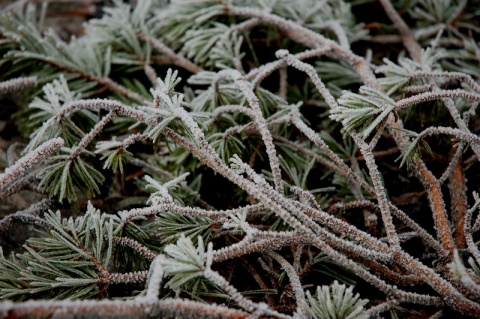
[[23, 33], [199, 43], [171, 226], [398, 76], [294, 186], [317, 15], [114, 154], [336, 76], [207, 100], [176, 20], [445, 11], [186, 261], [227, 52], [49, 124], [412, 149], [336, 302], [66, 263], [364, 111], [161, 193], [118, 28], [226, 145], [465, 59], [62, 174]]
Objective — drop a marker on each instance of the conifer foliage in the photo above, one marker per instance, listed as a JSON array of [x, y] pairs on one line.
[[234, 159]]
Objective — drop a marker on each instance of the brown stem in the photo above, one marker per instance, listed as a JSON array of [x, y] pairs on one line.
[[450, 295], [459, 206], [175, 59], [377, 154], [106, 82], [430, 183], [433, 188], [407, 37], [392, 275], [437, 204], [308, 38], [133, 308], [253, 271]]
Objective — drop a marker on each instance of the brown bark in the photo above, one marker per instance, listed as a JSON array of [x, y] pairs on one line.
[[459, 206], [438, 207], [167, 308]]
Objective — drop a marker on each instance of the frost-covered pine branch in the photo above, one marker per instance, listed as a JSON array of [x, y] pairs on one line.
[[195, 139]]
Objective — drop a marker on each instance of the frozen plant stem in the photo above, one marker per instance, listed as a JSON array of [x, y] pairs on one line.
[[119, 309], [380, 192], [17, 84], [295, 282], [237, 297], [260, 123], [91, 135], [24, 164], [306, 37], [252, 134], [407, 37], [176, 59]]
